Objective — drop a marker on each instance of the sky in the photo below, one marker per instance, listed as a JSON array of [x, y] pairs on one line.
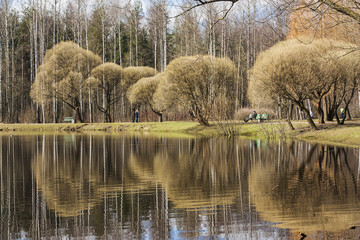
[[173, 5]]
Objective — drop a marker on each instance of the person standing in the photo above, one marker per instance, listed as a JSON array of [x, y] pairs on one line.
[[342, 113], [137, 115]]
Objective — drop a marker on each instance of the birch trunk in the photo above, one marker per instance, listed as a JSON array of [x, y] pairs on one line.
[[161, 42], [35, 35], [136, 42], [42, 50], [79, 33], [54, 81], [12, 114], [88, 66], [155, 50], [31, 54], [248, 51], [253, 24], [1, 103], [120, 49], [358, 94], [130, 45], [103, 58], [7, 61], [120, 63], [114, 36], [164, 37]]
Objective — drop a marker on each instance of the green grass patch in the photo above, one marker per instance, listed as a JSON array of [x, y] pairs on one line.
[[329, 133]]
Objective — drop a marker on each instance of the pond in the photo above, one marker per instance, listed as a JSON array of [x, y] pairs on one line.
[[158, 187]]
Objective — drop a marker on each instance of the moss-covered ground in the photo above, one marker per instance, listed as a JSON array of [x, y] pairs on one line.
[[329, 133]]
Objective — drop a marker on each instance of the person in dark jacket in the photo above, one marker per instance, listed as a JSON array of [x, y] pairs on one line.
[[137, 115]]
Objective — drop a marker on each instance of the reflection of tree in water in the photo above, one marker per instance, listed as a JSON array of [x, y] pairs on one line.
[[14, 213], [86, 177], [201, 176], [68, 186], [101, 178], [122, 187], [319, 192], [196, 175]]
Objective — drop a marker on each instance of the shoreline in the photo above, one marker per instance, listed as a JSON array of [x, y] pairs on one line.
[[329, 133]]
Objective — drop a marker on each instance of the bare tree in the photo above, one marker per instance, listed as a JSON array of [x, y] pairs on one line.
[[158, 21], [154, 91], [107, 78], [205, 84]]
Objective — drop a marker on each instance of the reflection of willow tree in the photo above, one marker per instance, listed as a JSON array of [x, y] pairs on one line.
[[86, 177], [68, 187], [14, 207], [199, 178], [318, 193], [81, 173]]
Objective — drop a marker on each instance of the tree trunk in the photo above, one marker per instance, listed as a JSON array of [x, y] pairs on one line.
[[203, 122], [291, 107], [78, 113], [120, 51], [107, 116], [42, 47], [155, 50], [31, 32], [103, 57], [337, 118], [13, 113], [88, 66], [54, 82], [308, 116], [136, 42], [347, 102], [348, 111], [164, 38], [359, 96], [310, 120], [1, 103], [320, 112], [331, 108], [7, 62], [36, 62]]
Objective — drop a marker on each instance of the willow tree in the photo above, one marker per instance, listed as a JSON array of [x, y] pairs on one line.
[[297, 72], [62, 74], [286, 70], [347, 72], [154, 91], [205, 85], [107, 78], [132, 75]]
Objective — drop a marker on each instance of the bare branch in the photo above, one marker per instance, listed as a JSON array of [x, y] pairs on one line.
[[342, 9], [203, 3]]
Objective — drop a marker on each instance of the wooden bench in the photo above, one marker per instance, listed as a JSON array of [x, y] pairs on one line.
[[69, 119], [262, 117]]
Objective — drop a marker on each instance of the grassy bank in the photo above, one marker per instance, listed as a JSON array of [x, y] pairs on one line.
[[330, 133]]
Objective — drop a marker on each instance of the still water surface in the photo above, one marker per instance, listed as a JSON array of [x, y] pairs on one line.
[[142, 187]]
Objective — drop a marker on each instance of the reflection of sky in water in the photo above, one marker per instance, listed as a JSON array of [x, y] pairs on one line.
[[155, 187]]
